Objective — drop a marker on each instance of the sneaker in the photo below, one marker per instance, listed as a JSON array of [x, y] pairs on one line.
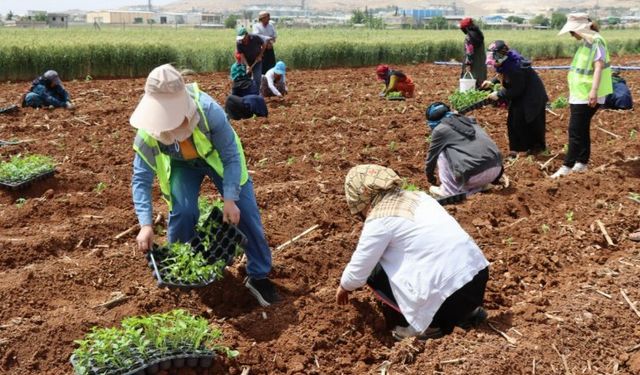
[[263, 290], [563, 171], [579, 167], [437, 191], [474, 319], [399, 333]]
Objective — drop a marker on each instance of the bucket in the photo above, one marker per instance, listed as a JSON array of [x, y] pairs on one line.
[[467, 84]]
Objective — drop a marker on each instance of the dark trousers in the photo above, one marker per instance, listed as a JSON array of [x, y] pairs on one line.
[[268, 60], [579, 134], [453, 310]]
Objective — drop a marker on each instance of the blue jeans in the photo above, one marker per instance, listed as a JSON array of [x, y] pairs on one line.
[[257, 75], [33, 100], [186, 178]]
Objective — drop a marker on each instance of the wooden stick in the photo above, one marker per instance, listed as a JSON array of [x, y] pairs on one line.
[[453, 361], [245, 370], [509, 339], [294, 239], [634, 199], [117, 298], [564, 360], [552, 112], [92, 217], [604, 232], [533, 367], [633, 348], [608, 132], [546, 163], [131, 229], [626, 298], [602, 293]]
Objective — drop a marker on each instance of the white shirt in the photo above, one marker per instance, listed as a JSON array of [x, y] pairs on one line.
[[426, 260], [270, 76], [268, 31]]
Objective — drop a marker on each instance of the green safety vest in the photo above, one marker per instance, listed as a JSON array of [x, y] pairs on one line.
[[580, 75], [148, 149]]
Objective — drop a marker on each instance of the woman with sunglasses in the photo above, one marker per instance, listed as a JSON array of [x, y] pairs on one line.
[[524, 91]]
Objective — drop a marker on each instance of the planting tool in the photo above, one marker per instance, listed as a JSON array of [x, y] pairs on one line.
[[216, 242], [452, 199]]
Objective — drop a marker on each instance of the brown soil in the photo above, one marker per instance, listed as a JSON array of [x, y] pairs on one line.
[[555, 286]]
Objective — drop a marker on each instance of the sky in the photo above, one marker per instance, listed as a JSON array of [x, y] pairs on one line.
[[21, 6]]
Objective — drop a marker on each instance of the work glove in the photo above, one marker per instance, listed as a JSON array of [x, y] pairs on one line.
[[494, 96]]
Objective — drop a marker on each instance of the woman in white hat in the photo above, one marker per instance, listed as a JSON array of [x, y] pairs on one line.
[[184, 135], [589, 84], [266, 29], [426, 270]]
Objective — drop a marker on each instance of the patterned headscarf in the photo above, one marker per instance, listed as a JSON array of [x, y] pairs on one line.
[[378, 187]]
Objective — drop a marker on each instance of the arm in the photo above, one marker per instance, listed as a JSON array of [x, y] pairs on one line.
[[517, 86], [223, 139], [373, 242], [598, 66], [469, 49], [435, 148], [141, 184], [47, 98], [392, 83]]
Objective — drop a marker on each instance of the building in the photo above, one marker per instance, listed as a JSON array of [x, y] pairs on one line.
[[57, 20], [121, 17]]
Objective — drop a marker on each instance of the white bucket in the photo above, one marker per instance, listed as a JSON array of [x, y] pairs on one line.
[[467, 84]]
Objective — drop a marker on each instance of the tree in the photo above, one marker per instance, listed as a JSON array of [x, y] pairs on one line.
[[613, 21], [558, 20], [358, 16], [10, 16], [231, 21], [437, 22], [515, 19], [41, 17], [540, 20]]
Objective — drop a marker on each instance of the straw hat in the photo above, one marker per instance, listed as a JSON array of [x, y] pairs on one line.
[[165, 103], [576, 22]]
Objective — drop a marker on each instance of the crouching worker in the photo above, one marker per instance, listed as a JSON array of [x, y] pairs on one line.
[[184, 135], [467, 159], [239, 108], [241, 83], [395, 81], [274, 81], [620, 98], [428, 273], [47, 91]]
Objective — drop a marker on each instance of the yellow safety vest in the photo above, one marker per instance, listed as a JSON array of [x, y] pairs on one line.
[[580, 75], [148, 149]]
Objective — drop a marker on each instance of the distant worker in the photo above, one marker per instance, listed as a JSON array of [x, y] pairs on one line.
[[266, 29], [251, 48], [395, 81], [620, 98], [241, 83], [589, 84], [239, 108], [47, 91], [425, 269], [527, 98], [274, 82], [474, 55], [467, 158]]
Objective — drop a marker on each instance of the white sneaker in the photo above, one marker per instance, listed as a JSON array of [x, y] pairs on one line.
[[579, 167], [563, 171], [400, 332], [437, 191]]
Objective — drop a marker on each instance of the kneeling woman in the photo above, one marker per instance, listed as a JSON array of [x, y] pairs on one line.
[[467, 158], [395, 81], [429, 274]]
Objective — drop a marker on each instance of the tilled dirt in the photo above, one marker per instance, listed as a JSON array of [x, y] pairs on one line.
[[555, 291]]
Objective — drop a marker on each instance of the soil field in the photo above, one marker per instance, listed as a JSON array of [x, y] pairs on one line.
[[555, 295]]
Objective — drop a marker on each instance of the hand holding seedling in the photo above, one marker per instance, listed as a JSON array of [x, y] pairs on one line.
[[230, 212], [342, 296], [145, 238]]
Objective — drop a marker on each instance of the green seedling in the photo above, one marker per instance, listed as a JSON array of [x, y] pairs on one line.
[[565, 148], [406, 185], [546, 152], [560, 102], [182, 265], [21, 168], [508, 241], [569, 216], [460, 100], [100, 187], [633, 133], [393, 146], [88, 78], [545, 228], [20, 202], [317, 156], [291, 160], [428, 139]]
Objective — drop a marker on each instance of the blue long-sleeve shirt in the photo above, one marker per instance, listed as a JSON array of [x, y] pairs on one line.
[[56, 96], [221, 136]]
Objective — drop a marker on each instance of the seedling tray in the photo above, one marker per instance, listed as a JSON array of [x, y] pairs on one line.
[[223, 239], [27, 182], [452, 199], [157, 363], [395, 98], [9, 109]]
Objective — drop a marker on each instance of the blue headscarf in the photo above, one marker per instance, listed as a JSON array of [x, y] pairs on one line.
[[436, 112]]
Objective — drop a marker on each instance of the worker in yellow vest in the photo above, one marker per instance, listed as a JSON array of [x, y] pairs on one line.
[[589, 84], [184, 135]]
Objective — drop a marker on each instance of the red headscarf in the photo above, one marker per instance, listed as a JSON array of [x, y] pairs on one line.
[[238, 57], [466, 22], [382, 70]]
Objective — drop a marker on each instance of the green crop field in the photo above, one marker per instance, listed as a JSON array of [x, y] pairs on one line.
[[133, 51]]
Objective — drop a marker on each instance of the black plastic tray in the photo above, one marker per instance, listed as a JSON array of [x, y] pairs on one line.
[[452, 199], [175, 360], [223, 247], [9, 109], [396, 98], [25, 183]]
